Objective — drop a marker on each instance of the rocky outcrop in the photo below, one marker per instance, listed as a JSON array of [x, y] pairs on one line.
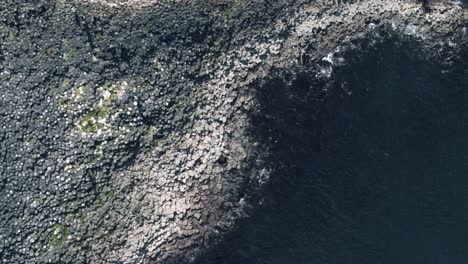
[[129, 129]]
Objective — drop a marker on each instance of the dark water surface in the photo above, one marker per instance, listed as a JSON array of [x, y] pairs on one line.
[[382, 177]]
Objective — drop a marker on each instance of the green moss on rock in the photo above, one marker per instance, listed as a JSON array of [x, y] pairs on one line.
[[90, 121], [60, 235]]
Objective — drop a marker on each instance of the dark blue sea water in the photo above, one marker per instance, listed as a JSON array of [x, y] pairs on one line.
[[382, 177]]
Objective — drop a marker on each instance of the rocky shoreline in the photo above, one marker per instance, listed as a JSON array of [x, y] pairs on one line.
[[129, 133]]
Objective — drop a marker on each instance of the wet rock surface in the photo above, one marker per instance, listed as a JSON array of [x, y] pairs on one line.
[[130, 133]]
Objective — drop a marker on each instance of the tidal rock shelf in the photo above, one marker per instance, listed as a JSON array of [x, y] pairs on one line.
[[135, 131]]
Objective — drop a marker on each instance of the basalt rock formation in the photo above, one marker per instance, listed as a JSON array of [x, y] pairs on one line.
[[142, 131]]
